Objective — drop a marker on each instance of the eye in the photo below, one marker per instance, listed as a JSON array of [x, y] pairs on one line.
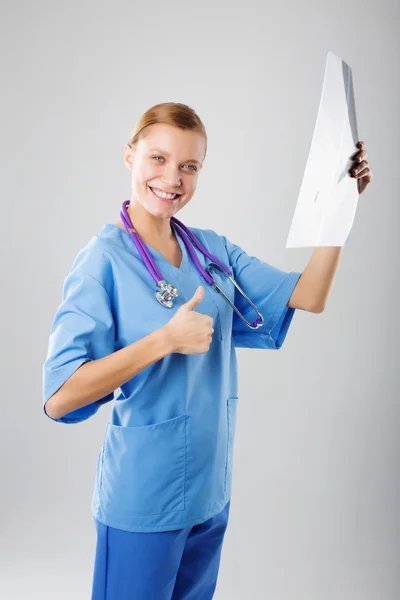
[[193, 167]]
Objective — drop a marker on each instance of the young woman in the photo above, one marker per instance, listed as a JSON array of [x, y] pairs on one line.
[[164, 472]]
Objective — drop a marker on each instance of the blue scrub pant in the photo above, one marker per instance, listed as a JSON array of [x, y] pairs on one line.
[[181, 564]]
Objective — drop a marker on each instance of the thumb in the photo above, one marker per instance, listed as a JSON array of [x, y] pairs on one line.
[[196, 298]]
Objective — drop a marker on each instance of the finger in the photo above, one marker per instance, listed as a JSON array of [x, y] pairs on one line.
[[359, 156], [196, 298], [355, 171], [364, 173], [362, 156]]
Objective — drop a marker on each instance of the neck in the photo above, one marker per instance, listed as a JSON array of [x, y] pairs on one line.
[[151, 229]]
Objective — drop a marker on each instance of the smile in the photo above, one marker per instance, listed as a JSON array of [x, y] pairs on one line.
[[163, 195]]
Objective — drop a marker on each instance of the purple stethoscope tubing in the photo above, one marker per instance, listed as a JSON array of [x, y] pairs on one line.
[[167, 291]]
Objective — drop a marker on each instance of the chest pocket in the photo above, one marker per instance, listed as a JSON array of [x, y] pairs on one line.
[[214, 303], [208, 306], [225, 311]]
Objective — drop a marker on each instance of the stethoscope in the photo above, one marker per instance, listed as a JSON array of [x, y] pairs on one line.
[[166, 291]]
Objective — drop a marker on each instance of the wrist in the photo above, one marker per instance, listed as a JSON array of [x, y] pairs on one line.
[[168, 339]]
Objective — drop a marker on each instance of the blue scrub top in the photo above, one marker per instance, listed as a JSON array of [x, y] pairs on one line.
[[166, 459]]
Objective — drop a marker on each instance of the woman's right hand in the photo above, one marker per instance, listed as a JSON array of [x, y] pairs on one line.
[[190, 331]]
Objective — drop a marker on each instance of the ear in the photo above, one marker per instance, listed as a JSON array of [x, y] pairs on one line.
[[128, 156]]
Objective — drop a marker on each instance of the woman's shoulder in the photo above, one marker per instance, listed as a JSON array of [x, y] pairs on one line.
[[211, 239], [94, 259], [207, 234]]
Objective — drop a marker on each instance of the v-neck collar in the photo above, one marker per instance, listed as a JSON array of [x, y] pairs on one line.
[[158, 258]]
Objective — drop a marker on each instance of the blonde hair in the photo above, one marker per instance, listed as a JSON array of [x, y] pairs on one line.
[[172, 113]]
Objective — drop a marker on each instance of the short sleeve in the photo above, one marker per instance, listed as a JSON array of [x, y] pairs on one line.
[[270, 289], [82, 330]]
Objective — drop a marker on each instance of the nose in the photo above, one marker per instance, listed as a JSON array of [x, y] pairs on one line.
[[171, 176]]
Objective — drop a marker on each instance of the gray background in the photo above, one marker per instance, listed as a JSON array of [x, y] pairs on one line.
[[315, 504]]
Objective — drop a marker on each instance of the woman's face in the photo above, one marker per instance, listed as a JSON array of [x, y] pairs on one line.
[[166, 159]]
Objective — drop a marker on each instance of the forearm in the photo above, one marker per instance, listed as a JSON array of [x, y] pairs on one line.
[[316, 281], [97, 378]]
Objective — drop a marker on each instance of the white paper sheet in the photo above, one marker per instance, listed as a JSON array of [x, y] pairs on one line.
[[328, 197]]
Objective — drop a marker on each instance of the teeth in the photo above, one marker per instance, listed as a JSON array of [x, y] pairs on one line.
[[163, 194]]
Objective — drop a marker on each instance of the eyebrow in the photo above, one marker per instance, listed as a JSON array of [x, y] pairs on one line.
[[168, 154]]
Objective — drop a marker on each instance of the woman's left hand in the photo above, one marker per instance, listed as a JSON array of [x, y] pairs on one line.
[[360, 169]]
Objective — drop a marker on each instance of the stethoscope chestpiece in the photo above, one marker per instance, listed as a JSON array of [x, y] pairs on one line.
[[165, 294]]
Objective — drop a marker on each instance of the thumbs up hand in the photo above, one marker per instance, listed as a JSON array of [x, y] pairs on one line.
[[190, 331]]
